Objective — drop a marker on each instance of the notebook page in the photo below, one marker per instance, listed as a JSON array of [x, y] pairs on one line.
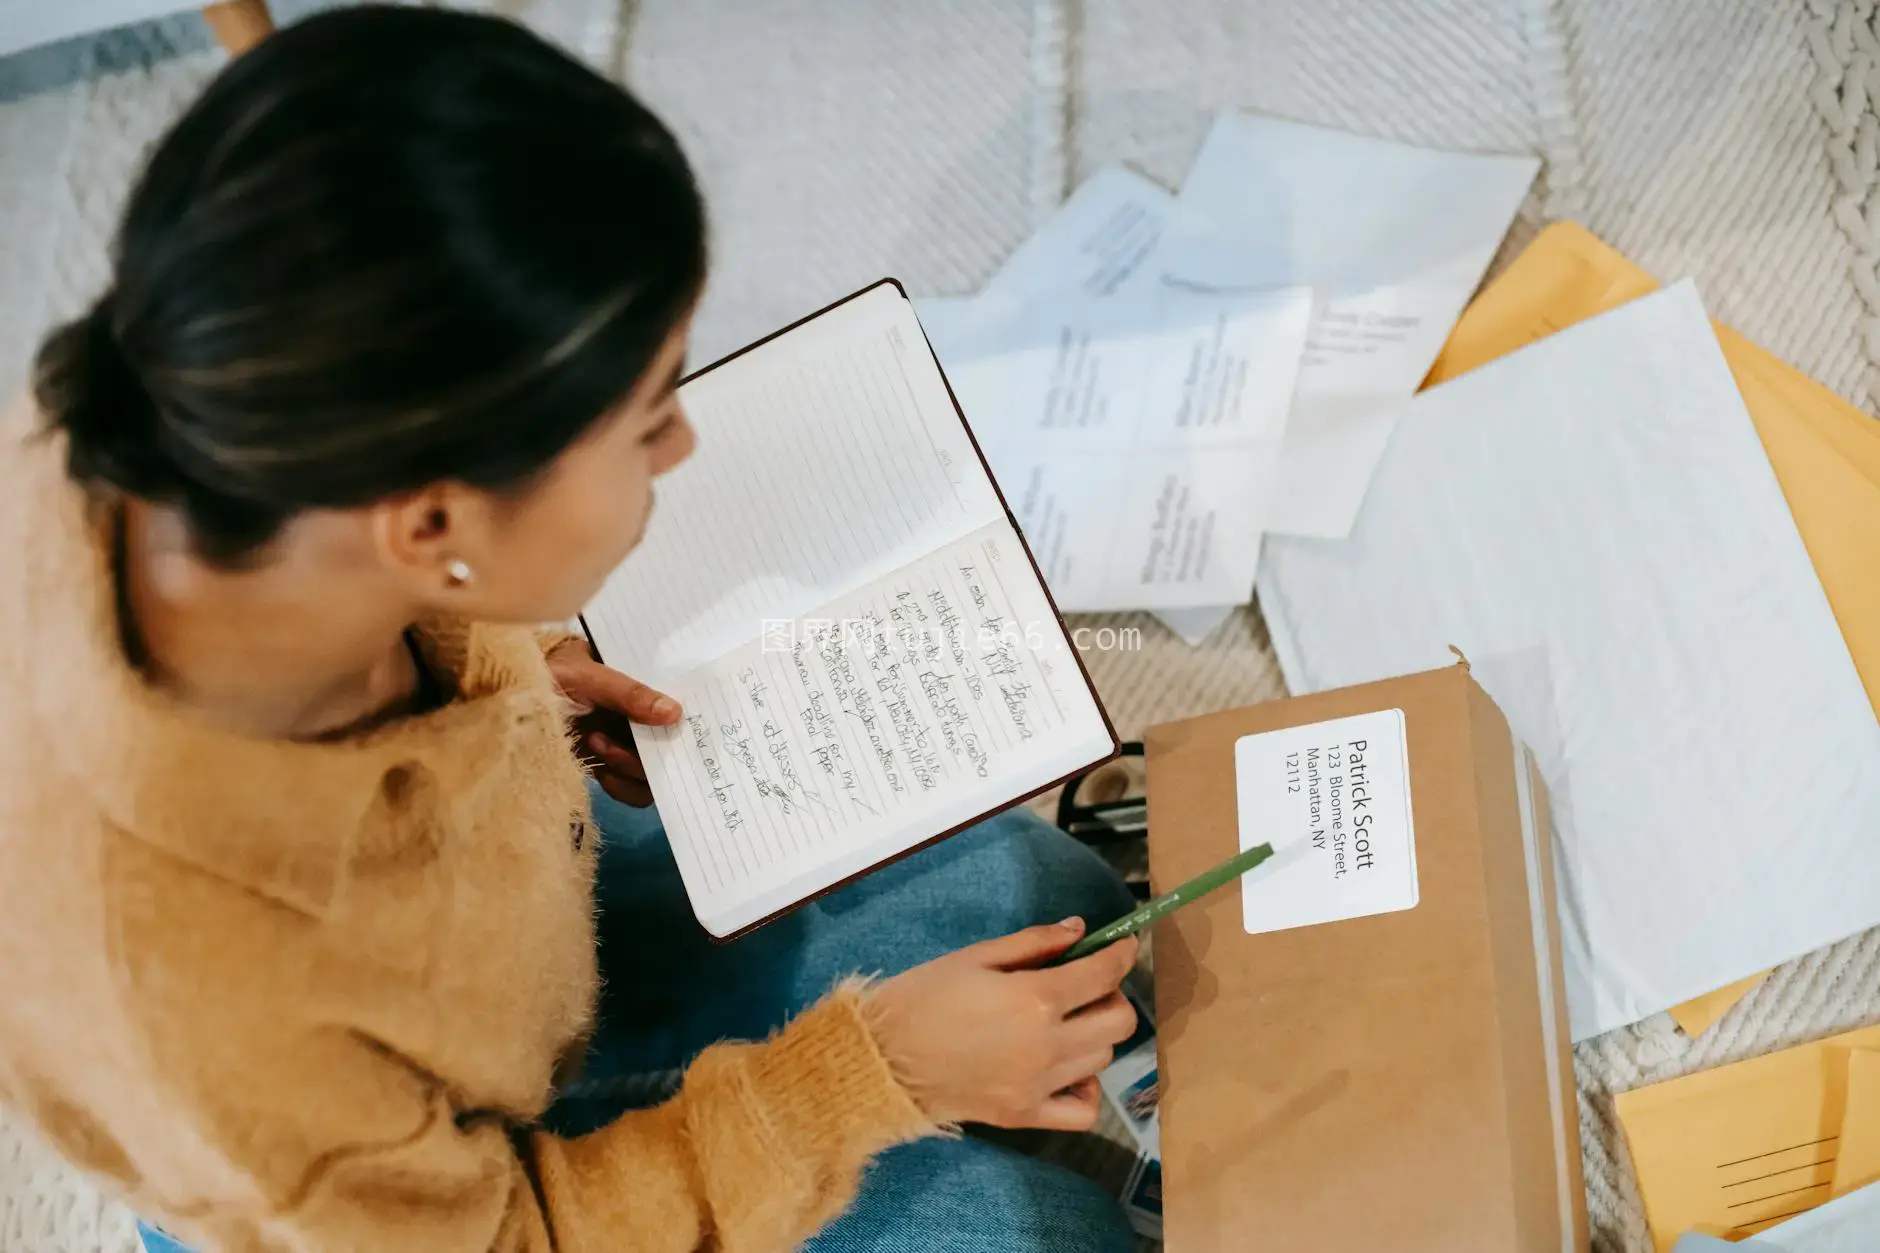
[[879, 721], [828, 458]]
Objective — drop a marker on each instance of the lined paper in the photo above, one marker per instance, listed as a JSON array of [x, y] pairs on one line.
[[833, 592], [885, 718], [828, 458]]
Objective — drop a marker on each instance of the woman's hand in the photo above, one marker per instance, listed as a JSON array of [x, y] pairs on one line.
[[606, 703], [983, 1035]]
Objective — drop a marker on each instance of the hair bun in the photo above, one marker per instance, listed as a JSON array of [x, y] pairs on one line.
[[86, 387]]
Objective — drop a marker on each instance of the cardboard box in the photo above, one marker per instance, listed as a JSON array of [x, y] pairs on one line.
[[1399, 1080]]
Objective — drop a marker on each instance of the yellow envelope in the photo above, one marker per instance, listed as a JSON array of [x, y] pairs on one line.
[[1732, 1151], [1825, 452], [1857, 1159], [1700, 1014]]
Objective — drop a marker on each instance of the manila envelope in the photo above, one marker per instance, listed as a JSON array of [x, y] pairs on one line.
[[1732, 1151], [1825, 452], [1700, 1014], [1857, 1157]]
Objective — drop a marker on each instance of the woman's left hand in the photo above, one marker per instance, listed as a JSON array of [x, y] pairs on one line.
[[606, 703]]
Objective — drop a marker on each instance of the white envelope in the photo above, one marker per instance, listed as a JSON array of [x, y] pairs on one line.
[[1594, 523]]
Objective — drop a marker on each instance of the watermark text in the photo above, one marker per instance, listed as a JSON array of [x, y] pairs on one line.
[[874, 636]]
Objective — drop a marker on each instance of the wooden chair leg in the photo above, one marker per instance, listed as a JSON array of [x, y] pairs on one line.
[[239, 24]]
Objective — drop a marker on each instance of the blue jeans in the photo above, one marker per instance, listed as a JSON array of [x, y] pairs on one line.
[[156, 1242], [669, 992]]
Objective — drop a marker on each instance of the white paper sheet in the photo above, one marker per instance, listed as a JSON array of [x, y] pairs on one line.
[[1135, 438], [1394, 240], [1594, 522], [1196, 625], [851, 415], [1095, 243], [1847, 1224]]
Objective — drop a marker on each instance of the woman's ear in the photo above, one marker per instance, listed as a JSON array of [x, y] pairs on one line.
[[427, 538]]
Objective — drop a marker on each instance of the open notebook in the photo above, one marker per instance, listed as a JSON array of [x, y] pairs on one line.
[[834, 590]]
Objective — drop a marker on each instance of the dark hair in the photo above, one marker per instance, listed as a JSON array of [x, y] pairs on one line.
[[388, 247]]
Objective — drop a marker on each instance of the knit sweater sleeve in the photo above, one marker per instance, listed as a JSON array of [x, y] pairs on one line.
[[551, 638], [764, 1144]]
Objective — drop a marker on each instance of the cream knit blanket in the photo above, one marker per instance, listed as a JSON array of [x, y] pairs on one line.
[[1735, 141]]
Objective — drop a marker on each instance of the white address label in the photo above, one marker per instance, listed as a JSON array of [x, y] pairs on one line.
[[1333, 799]]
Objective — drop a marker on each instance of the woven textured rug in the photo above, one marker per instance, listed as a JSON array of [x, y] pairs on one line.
[[1735, 141]]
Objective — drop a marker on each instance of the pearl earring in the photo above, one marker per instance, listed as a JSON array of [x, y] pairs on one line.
[[458, 573]]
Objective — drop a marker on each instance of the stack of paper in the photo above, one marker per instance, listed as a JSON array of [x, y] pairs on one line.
[[1158, 381], [1594, 522], [1392, 239], [1133, 438]]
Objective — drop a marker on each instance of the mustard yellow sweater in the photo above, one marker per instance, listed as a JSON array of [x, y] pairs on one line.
[[310, 997]]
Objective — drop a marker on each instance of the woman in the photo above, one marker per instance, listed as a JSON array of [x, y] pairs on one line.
[[298, 894]]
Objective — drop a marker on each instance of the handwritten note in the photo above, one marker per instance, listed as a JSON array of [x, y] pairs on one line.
[[913, 699], [833, 591]]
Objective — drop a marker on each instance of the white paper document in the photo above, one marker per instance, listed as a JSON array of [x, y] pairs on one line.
[[1135, 437], [1594, 523], [1393, 239], [1095, 243]]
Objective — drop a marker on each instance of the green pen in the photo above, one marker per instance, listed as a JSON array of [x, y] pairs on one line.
[[1169, 902]]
